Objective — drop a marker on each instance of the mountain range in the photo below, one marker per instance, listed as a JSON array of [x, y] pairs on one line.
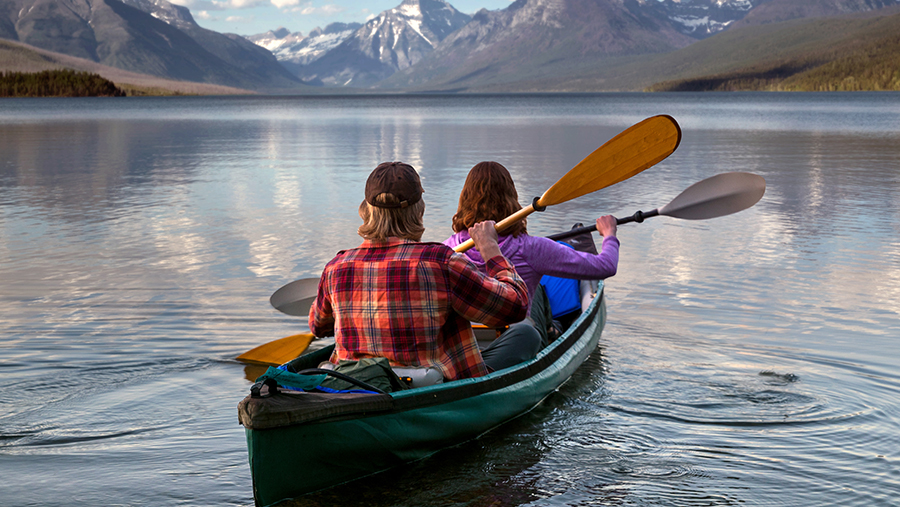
[[394, 40], [548, 45], [151, 37], [428, 45]]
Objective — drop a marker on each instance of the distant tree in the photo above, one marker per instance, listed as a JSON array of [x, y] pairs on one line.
[[57, 83]]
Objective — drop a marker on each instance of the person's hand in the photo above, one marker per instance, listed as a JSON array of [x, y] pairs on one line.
[[606, 226], [484, 234]]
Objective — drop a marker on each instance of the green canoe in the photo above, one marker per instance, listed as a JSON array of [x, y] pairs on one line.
[[300, 442]]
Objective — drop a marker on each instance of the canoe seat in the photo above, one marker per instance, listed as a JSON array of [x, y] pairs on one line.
[[419, 377], [484, 335]]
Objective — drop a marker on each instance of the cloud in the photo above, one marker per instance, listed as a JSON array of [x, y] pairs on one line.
[[239, 19], [239, 4], [281, 4], [327, 10], [199, 5], [206, 16], [306, 7]]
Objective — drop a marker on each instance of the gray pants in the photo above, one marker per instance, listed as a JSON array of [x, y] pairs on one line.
[[523, 340]]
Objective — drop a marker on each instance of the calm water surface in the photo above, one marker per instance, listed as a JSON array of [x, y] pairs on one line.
[[752, 359]]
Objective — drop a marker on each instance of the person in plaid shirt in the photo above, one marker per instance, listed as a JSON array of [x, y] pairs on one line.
[[413, 302]]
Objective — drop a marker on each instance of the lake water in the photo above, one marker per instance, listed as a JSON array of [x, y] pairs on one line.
[[751, 359]]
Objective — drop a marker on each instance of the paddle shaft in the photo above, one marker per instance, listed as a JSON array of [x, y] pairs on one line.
[[499, 227], [637, 217]]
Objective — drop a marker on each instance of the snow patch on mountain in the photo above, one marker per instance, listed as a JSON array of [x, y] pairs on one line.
[[175, 15], [409, 10], [701, 18], [297, 49]]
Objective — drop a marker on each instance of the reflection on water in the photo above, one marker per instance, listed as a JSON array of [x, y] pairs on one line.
[[748, 359]]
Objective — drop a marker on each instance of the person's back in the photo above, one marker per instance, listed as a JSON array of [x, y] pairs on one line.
[[489, 193], [412, 302], [534, 257]]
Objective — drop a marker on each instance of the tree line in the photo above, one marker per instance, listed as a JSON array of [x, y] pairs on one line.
[[57, 83]]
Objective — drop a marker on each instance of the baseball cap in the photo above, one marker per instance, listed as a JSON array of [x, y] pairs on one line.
[[395, 178]]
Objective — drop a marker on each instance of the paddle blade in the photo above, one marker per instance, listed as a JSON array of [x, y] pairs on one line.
[[640, 146], [719, 195], [278, 352], [296, 297]]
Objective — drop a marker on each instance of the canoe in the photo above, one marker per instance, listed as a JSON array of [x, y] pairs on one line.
[[300, 442]]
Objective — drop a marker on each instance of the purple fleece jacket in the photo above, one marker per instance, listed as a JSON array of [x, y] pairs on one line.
[[535, 256]]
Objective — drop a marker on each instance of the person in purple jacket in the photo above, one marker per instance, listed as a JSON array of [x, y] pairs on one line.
[[490, 194]]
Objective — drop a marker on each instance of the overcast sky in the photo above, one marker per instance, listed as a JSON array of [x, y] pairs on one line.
[[249, 17]]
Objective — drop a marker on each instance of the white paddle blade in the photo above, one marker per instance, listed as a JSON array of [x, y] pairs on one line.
[[719, 195], [296, 297]]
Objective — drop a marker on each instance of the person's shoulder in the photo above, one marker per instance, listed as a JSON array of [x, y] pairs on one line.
[[542, 243], [433, 250], [541, 250]]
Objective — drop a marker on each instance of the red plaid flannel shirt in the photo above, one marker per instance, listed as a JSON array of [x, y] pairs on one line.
[[412, 303]]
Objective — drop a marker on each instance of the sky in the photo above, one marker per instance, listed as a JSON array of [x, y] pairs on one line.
[[250, 17]]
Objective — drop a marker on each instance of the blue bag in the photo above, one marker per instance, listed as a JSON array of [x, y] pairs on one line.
[[562, 293]]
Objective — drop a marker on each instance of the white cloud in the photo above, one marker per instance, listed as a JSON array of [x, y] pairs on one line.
[[326, 10], [307, 8], [239, 19], [281, 4], [204, 15], [239, 4], [198, 5]]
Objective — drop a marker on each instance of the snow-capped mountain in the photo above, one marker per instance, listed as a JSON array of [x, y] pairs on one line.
[[276, 41], [540, 39], [293, 49], [701, 18], [392, 41]]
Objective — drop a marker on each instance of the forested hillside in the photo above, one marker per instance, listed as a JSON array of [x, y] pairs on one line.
[[56, 83], [854, 55]]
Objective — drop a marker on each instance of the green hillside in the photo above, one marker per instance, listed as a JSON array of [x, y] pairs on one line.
[[833, 54], [56, 83]]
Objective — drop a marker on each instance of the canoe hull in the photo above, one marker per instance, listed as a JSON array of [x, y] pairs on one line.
[[293, 460]]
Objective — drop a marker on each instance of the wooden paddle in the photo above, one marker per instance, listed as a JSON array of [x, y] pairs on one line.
[[640, 146], [716, 196], [279, 351]]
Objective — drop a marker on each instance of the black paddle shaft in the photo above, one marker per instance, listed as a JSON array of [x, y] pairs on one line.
[[638, 217]]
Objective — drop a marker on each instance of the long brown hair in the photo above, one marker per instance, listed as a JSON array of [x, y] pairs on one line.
[[488, 194]]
